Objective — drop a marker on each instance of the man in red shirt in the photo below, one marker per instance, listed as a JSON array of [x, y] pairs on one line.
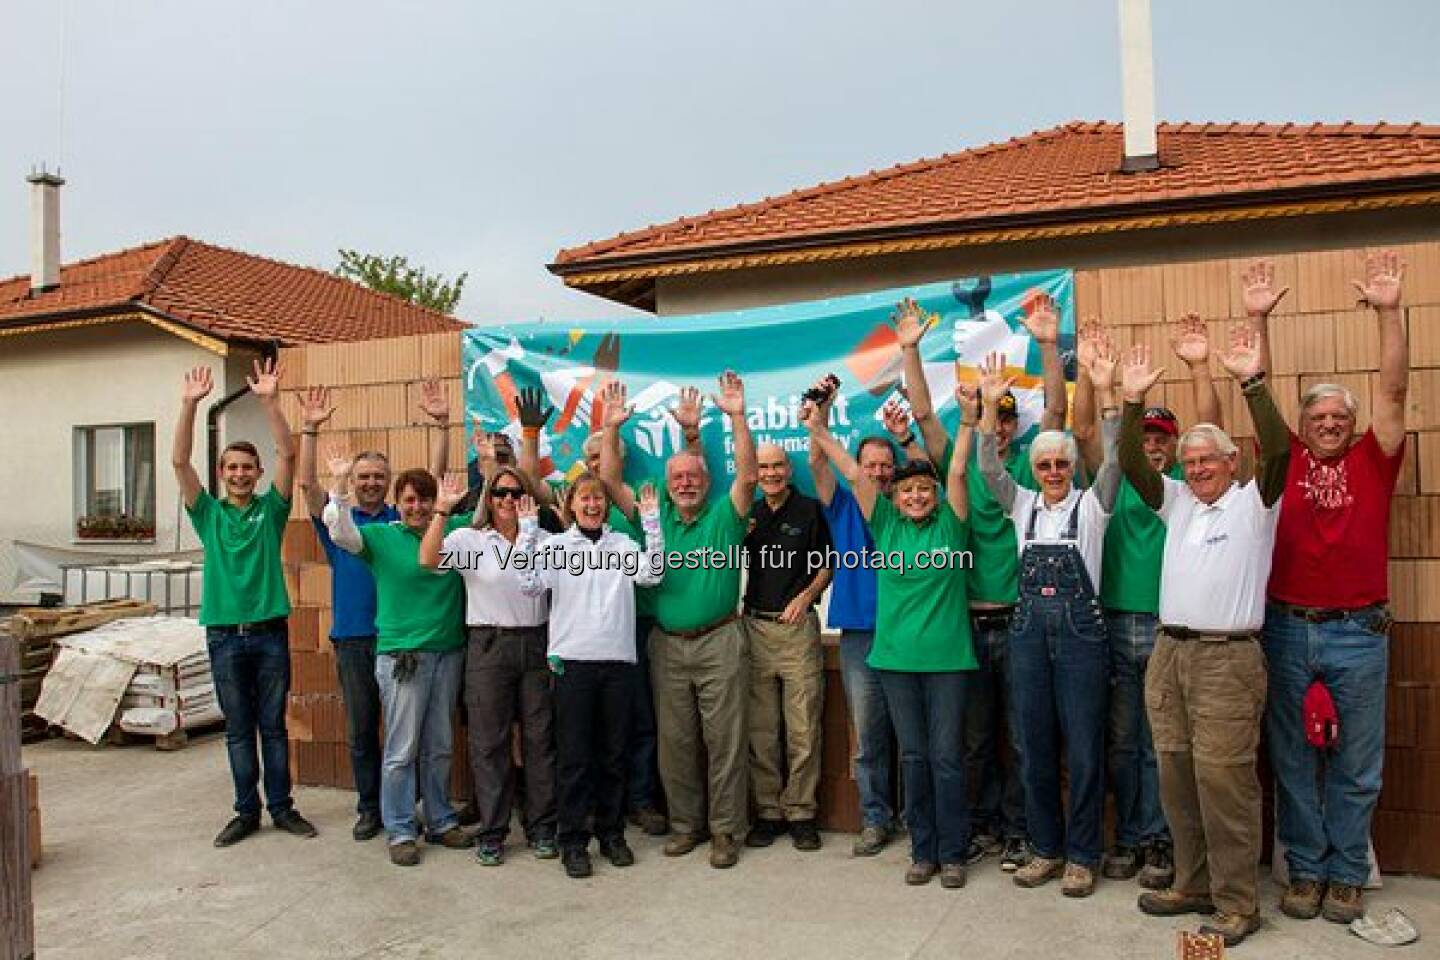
[[1327, 617]]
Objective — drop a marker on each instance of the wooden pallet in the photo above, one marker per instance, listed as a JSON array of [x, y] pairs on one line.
[[176, 740], [43, 623]]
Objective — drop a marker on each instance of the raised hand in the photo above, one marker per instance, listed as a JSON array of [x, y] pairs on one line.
[[198, 384], [480, 437], [896, 419], [1101, 370], [265, 384], [452, 491], [968, 399], [315, 407], [910, 322], [649, 500], [531, 408], [1243, 358], [1042, 317], [434, 401], [686, 409], [812, 418], [1384, 274], [1190, 339], [993, 382], [1257, 284], [528, 509], [339, 462], [1087, 338], [1137, 376], [607, 354], [731, 398], [613, 398]]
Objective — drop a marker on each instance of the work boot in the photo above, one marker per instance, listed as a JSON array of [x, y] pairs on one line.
[[805, 835], [952, 875], [405, 853], [682, 843], [764, 832], [576, 861], [871, 841], [454, 839], [723, 851], [1079, 881], [1159, 869], [1233, 927], [618, 852], [236, 830], [1121, 863], [1301, 900], [651, 821], [367, 827], [919, 873], [1343, 903], [291, 822], [1039, 871], [1171, 903]]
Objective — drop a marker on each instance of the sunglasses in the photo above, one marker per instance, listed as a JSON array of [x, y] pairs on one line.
[[1052, 466], [501, 493]]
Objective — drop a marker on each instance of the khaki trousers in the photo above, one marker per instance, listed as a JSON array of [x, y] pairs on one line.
[[787, 683], [1205, 698], [700, 692]]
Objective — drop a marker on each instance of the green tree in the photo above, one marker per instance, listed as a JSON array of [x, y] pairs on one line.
[[395, 276]]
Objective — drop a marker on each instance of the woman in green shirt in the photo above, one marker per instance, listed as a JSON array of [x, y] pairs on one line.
[[922, 636]]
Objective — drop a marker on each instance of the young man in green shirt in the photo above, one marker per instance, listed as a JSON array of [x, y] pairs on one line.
[[243, 603]]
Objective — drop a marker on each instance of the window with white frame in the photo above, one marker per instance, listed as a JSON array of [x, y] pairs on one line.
[[115, 482]]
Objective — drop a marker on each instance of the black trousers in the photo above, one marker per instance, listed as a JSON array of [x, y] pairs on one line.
[[592, 733]]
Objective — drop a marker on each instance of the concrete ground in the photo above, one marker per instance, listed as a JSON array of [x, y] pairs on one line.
[[129, 871]]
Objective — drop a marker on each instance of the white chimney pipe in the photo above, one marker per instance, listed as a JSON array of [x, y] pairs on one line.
[[1137, 73], [44, 230]]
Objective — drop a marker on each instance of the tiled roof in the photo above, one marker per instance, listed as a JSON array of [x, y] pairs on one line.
[[1070, 172], [226, 293]]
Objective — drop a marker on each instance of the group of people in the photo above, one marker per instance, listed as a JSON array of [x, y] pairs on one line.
[[1114, 601]]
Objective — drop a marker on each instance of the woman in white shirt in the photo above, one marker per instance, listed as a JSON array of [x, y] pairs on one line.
[[591, 572]]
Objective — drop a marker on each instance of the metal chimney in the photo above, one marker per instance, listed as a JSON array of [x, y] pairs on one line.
[[44, 230], [1137, 74]]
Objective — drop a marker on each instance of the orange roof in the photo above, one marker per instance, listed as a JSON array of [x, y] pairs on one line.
[[222, 292], [1069, 173]]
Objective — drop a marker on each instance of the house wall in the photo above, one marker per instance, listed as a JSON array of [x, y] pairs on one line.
[[51, 382]]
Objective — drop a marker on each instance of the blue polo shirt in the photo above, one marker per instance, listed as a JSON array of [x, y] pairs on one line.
[[352, 588], [852, 592]]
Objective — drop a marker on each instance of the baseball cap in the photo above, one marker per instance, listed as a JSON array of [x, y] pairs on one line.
[[1160, 418], [1008, 405]]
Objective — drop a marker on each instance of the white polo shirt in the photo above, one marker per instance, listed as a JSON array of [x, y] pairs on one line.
[[1050, 524], [1217, 558], [493, 597]]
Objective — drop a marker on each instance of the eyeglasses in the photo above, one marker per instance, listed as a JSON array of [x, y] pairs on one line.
[[1052, 466], [501, 493]]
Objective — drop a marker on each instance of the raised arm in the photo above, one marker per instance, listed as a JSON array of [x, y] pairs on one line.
[[957, 486], [1190, 340], [532, 577], [1042, 319], [1085, 422], [1102, 375], [198, 384], [315, 411], [612, 464], [1136, 379], [731, 401], [862, 486], [1384, 274], [899, 425], [452, 491], [652, 558], [686, 411], [1257, 285], [265, 384], [910, 326], [435, 404], [820, 469], [534, 414], [993, 384], [1242, 361], [336, 515]]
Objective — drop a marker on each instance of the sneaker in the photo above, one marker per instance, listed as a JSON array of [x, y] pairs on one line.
[[1121, 863], [1158, 873], [919, 873], [618, 852], [764, 832], [723, 851], [682, 843], [490, 853], [805, 835], [236, 830], [974, 852], [1015, 855], [871, 841], [544, 846], [576, 861], [651, 821], [1079, 881], [1233, 927], [292, 822], [1171, 903], [454, 838], [1301, 900], [406, 853], [952, 876], [1343, 903], [367, 827], [989, 843], [1039, 871]]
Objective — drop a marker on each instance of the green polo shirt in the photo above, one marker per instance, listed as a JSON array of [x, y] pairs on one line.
[[701, 587], [1134, 548], [244, 579], [644, 596], [922, 611], [416, 608], [996, 577]]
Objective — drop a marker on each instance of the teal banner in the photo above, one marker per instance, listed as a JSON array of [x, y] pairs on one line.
[[779, 351]]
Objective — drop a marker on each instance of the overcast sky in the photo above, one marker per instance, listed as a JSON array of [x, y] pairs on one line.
[[483, 136]]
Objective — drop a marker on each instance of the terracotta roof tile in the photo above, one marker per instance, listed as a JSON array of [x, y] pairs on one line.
[[227, 293], [1067, 170]]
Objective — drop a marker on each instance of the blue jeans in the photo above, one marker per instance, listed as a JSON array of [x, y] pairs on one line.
[[994, 780], [644, 773], [1323, 809], [874, 753], [929, 714], [418, 736], [1134, 775], [1060, 676], [355, 663], [252, 681]]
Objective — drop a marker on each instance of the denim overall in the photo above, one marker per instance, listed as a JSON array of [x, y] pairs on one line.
[[1060, 682]]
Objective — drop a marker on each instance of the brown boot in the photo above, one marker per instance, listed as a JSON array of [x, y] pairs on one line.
[[723, 851], [1079, 881], [1233, 927], [682, 843], [1301, 899], [920, 872], [1039, 871], [454, 838], [1343, 903], [1171, 903]]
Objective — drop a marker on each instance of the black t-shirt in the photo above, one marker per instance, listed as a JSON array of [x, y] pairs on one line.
[[785, 548]]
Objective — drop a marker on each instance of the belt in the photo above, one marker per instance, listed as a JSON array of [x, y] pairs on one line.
[[995, 619], [259, 626], [1185, 633], [696, 634], [503, 630], [762, 615], [1324, 614]]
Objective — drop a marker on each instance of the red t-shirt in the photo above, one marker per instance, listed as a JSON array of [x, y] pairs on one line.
[[1332, 547]]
